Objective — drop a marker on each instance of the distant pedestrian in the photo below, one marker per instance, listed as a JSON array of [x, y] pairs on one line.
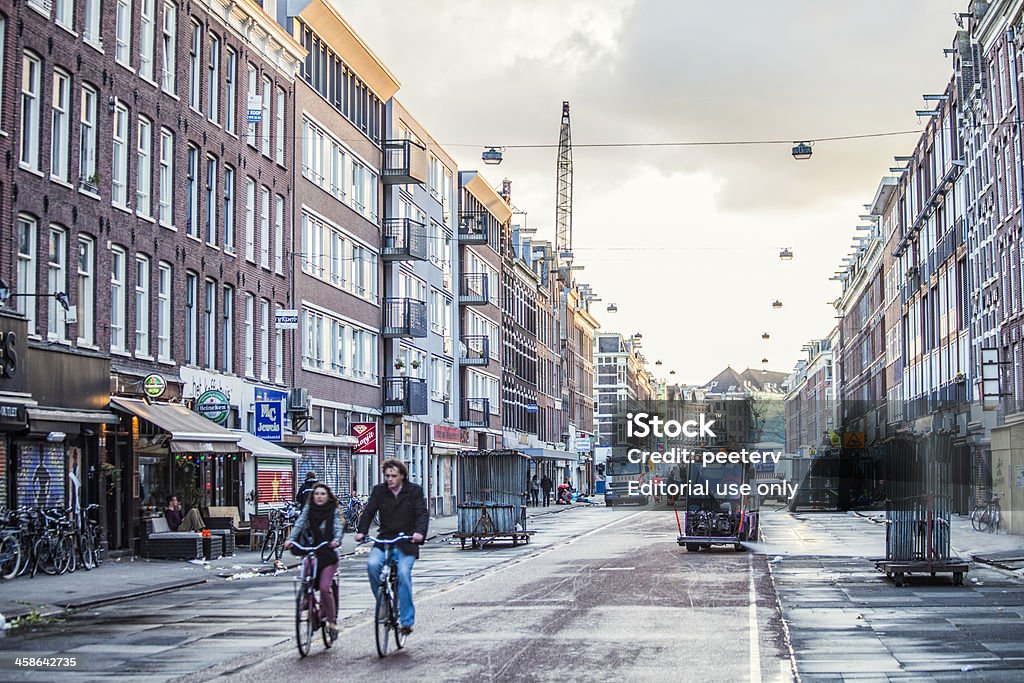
[[546, 485], [307, 486], [534, 491]]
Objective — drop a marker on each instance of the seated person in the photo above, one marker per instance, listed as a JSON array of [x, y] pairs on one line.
[[178, 520]]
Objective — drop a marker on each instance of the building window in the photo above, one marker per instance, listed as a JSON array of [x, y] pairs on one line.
[[279, 235], [30, 67], [141, 305], [144, 169], [87, 151], [230, 100], [91, 23], [191, 317], [265, 226], [26, 305], [228, 329], [117, 299], [211, 200], [279, 355], [210, 325], [147, 26], [192, 193], [264, 339], [57, 274], [166, 177], [163, 313], [64, 13], [265, 117], [119, 157], [123, 33], [170, 38], [86, 293], [3, 61], [193, 66], [213, 80], [60, 130], [251, 135], [250, 332], [229, 208], [279, 134], [250, 220]]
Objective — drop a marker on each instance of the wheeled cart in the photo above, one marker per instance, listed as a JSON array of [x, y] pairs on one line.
[[897, 571], [492, 486]]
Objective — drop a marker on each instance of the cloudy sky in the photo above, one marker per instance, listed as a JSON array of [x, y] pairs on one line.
[[684, 240]]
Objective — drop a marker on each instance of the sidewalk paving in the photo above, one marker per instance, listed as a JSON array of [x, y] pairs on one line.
[[132, 577]]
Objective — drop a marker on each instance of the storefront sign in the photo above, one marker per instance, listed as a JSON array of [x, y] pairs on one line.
[[286, 319], [582, 444], [447, 434], [214, 406], [13, 362], [12, 415], [269, 420], [154, 385], [366, 435]]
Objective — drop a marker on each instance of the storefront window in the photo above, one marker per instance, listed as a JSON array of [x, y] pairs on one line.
[[154, 480]]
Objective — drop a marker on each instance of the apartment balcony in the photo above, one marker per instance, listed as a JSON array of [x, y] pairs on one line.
[[405, 318], [405, 396], [474, 412], [473, 227], [404, 162], [475, 350], [403, 239], [473, 289]]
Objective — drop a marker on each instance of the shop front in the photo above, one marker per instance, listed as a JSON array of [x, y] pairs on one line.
[[165, 449], [445, 446], [271, 469]]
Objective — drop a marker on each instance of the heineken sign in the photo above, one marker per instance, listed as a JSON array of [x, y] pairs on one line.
[[214, 406], [154, 385]]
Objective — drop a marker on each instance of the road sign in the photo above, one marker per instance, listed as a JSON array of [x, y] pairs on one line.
[[853, 439], [286, 319]]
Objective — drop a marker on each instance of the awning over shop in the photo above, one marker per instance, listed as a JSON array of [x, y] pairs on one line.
[[77, 416], [190, 432], [262, 448], [549, 454]]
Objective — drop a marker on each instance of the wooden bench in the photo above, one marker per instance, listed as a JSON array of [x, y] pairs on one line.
[[226, 517]]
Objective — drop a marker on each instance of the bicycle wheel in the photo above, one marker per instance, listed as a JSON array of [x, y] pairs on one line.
[[67, 553], [45, 551], [99, 545], [269, 545], [279, 547], [303, 620], [976, 516], [10, 557], [382, 621], [87, 551]]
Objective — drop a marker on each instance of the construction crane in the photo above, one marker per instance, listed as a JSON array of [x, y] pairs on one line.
[[563, 207]]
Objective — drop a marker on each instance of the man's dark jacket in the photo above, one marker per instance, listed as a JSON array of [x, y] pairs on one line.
[[303, 493], [546, 484], [405, 514]]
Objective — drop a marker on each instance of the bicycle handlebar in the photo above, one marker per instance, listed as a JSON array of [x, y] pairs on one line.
[[313, 549], [387, 541]]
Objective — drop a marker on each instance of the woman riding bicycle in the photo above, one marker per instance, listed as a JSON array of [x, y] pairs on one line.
[[321, 519]]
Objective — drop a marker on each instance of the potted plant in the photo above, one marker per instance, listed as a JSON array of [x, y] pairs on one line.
[[400, 365], [415, 364]]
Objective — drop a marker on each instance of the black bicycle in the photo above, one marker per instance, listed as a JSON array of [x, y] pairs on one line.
[[386, 613], [280, 522], [308, 613]]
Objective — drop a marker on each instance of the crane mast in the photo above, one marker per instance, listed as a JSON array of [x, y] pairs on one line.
[[563, 208]]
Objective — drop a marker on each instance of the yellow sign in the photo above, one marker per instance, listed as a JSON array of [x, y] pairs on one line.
[[853, 439]]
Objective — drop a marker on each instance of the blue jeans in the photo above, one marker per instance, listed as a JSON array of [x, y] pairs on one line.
[[406, 611]]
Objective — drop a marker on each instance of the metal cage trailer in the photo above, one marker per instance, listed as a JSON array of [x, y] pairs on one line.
[[492, 491]]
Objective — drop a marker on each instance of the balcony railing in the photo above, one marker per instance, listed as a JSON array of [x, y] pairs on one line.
[[405, 318], [475, 350], [473, 227], [474, 412], [473, 289], [404, 162], [403, 239], [405, 396]]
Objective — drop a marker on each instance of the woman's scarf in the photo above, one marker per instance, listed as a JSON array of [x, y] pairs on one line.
[[318, 514]]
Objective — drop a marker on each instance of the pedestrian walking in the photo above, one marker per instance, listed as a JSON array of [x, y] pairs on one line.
[[534, 491], [307, 486], [546, 485]]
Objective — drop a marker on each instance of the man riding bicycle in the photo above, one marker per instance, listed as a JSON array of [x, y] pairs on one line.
[[403, 511], [321, 519]]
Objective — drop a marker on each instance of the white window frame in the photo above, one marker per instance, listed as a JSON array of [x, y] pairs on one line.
[[279, 235], [280, 134], [250, 334], [163, 312], [191, 317], [60, 129], [31, 66], [265, 227], [251, 90], [91, 24], [64, 14], [278, 353], [119, 156], [123, 33], [210, 324], [213, 80], [169, 61], [230, 91], [250, 219], [144, 168], [86, 285], [229, 208], [228, 329], [192, 192], [56, 282], [265, 117], [210, 219], [118, 299], [28, 249], [142, 280], [265, 340], [147, 38], [194, 56], [166, 179]]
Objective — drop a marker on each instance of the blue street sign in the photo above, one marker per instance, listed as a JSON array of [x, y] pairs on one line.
[[531, 407], [269, 420]]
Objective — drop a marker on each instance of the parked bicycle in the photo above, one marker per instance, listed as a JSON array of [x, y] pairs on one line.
[[10, 545], [987, 516], [281, 520], [386, 612], [308, 614], [52, 541], [353, 508]]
